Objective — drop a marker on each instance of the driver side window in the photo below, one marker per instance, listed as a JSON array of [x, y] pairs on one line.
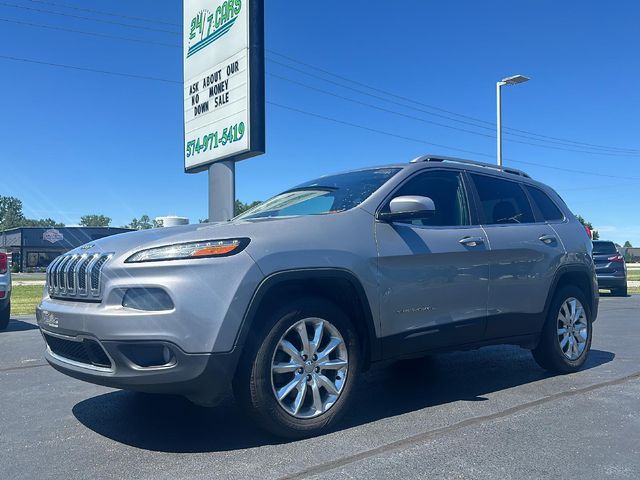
[[446, 189]]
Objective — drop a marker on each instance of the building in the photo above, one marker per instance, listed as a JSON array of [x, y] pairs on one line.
[[34, 248], [632, 254], [171, 221]]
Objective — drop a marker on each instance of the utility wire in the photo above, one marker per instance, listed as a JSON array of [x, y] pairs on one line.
[[51, 12], [316, 115], [86, 69], [93, 34], [413, 117], [491, 125], [618, 153], [101, 12], [413, 139]]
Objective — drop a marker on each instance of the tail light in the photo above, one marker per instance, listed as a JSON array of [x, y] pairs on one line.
[[588, 232], [3, 263], [616, 258]]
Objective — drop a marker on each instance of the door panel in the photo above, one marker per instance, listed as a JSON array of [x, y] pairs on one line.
[[523, 262], [434, 272], [433, 288]]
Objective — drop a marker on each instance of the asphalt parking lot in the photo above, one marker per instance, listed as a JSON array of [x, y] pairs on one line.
[[491, 413]]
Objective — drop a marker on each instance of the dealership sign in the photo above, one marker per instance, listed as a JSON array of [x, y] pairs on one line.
[[52, 236], [223, 81]]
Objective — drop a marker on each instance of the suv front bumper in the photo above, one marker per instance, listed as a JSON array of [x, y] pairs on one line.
[[135, 365]]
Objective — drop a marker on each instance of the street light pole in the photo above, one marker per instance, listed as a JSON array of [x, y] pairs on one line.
[[514, 80], [499, 120]]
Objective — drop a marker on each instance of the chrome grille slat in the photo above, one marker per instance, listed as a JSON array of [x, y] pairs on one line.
[[61, 283], [50, 273], [77, 276]]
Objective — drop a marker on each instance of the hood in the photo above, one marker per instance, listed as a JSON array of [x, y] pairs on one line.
[[131, 242]]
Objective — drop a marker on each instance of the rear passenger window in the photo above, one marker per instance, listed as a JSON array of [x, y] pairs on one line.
[[549, 210], [502, 201]]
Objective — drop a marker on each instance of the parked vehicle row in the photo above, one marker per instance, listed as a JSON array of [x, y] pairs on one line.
[[289, 302]]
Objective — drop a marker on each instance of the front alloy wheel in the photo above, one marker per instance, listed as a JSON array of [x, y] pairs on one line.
[[298, 371], [309, 368]]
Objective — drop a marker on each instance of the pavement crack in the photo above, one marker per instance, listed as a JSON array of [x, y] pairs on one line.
[[11, 369], [431, 434]]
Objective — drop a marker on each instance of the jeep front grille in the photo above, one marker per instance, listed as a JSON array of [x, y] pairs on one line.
[[76, 276]]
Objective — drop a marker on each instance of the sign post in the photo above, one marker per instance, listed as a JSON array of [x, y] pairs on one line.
[[224, 107]]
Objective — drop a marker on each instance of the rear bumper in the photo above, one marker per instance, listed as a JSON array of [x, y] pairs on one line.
[[614, 281], [206, 378]]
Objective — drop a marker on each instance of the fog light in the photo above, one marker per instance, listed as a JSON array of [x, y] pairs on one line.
[[147, 299], [149, 355], [167, 356]]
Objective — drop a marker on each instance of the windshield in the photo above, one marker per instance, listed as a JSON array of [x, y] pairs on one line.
[[331, 194], [604, 248]]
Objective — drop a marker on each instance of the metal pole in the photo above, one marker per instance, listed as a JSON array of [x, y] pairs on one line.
[[499, 120], [222, 190]]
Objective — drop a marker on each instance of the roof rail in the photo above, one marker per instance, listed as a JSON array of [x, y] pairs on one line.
[[441, 158]]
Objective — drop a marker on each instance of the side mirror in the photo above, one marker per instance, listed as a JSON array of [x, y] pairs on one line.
[[408, 207]]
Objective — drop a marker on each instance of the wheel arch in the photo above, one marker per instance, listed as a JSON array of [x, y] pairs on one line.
[[579, 276], [335, 284]]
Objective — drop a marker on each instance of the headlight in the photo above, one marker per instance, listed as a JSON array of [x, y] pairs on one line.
[[181, 251]]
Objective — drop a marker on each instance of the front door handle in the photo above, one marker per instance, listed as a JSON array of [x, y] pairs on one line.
[[547, 239], [471, 241]]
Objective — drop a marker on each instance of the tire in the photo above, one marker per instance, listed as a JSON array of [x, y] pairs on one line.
[[256, 385], [550, 353], [621, 292], [5, 315]]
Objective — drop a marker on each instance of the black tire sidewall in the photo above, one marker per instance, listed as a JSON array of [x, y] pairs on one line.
[[5, 316], [263, 402], [560, 361]]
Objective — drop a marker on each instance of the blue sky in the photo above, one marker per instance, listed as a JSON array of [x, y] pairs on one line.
[[75, 142]]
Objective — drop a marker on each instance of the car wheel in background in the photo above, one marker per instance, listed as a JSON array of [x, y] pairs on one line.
[[5, 315], [621, 292], [298, 377], [565, 340]]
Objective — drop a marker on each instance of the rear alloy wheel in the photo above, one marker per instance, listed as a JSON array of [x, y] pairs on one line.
[[297, 377], [573, 330], [565, 339]]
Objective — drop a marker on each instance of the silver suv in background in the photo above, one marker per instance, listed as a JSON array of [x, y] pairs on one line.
[[289, 302], [5, 291]]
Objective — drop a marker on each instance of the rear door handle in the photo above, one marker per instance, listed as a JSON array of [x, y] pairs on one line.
[[471, 241], [547, 239]]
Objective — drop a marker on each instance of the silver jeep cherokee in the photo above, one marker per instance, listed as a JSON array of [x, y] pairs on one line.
[[287, 303]]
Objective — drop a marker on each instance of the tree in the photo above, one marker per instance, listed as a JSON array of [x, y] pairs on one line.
[[142, 223], [627, 244], [95, 220], [11, 215], [43, 223], [243, 207], [594, 233]]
